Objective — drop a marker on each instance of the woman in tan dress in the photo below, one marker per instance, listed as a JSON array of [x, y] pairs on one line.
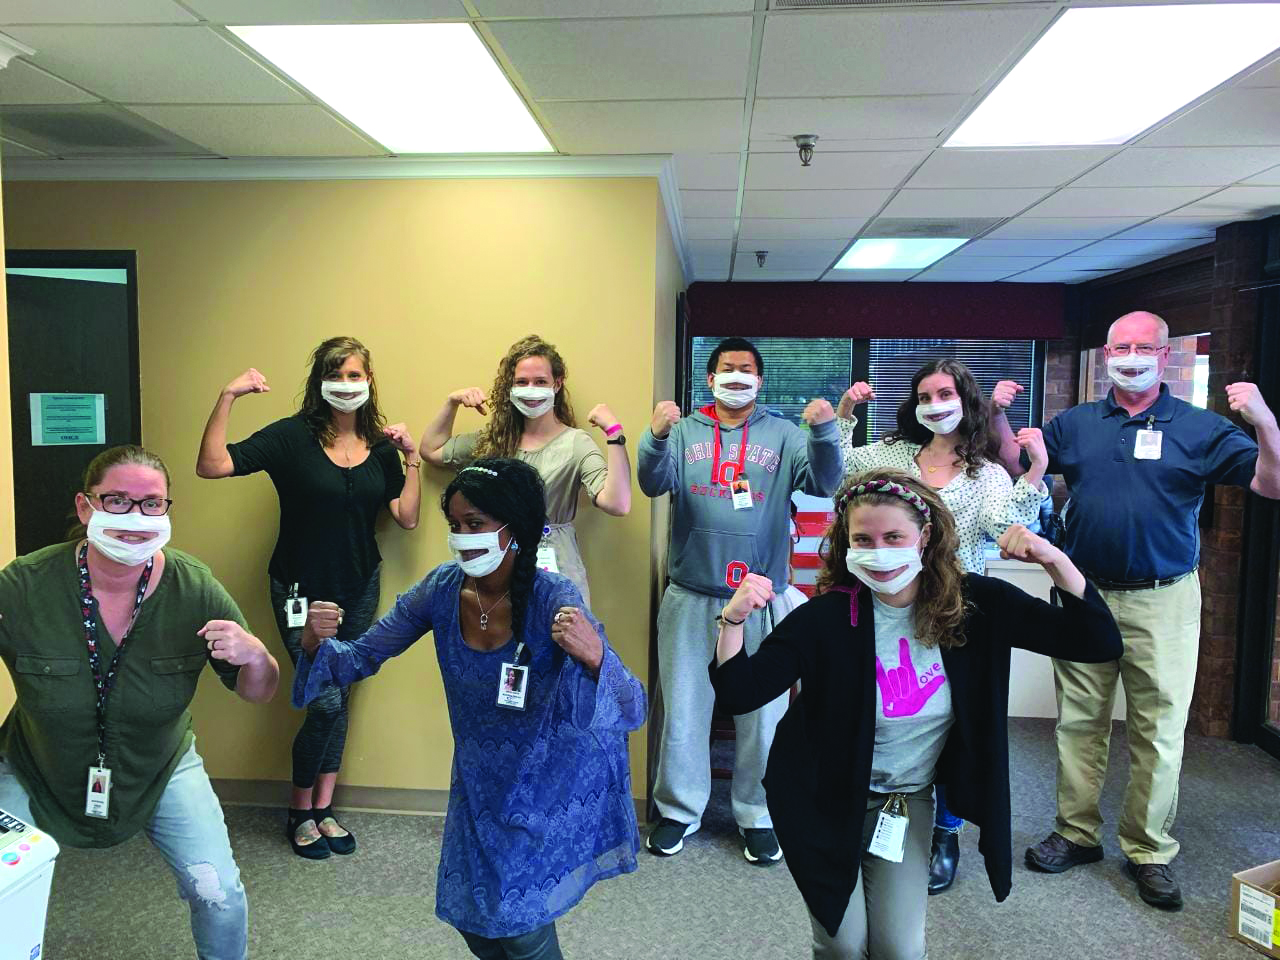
[[531, 418]]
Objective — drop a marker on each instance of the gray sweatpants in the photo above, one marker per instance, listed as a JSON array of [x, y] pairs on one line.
[[687, 635]]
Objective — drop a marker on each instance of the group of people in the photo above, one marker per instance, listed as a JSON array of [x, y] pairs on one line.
[[896, 737]]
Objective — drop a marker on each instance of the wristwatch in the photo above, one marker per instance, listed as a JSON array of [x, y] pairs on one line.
[[620, 440]]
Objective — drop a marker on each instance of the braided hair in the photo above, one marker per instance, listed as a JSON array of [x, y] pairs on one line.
[[512, 493]]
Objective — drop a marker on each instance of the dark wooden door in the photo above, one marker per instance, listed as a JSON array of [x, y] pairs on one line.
[[72, 330]]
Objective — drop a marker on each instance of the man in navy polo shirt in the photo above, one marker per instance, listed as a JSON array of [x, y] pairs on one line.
[[1137, 464]]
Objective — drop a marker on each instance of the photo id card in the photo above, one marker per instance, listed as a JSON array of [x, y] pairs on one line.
[[547, 558], [97, 793], [295, 612], [741, 488], [889, 841], [1146, 446], [513, 683]]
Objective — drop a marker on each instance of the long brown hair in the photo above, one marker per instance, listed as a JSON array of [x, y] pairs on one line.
[[978, 442], [127, 454], [501, 437], [940, 605], [315, 410]]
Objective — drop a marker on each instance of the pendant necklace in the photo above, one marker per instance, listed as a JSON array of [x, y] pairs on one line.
[[484, 614]]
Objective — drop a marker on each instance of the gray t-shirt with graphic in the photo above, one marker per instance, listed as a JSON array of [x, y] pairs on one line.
[[913, 704]]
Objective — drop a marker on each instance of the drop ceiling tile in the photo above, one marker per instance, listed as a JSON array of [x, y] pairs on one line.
[[707, 171], [884, 52], [645, 126], [946, 276], [960, 203], [710, 268], [11, 150], [1105, 262], [1268, 76], [1237, 203], [21, 82], [325, 11], [1063, 276], [1175, 228], [268, 130], [869, 276], [656, 59], [776, 276], [1180, 166], [93, 130], [1115, 201], [1238, 116], [856, 118], [1016, 248], [1268, 178], [829, 171], [708, 203], [1131, 247], [164, 64], [93, 11], [950, 167], [777, 268], [709, 228], [785, 144], [819, 229], [710, 249], [784, 248], [608, 8], [1071, 228], [957, 264], [812, 204]]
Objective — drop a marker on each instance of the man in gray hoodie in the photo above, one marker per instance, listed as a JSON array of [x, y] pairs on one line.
[[730, 469]]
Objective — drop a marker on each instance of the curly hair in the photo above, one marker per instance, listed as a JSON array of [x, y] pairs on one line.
[[315, 410], [978, 442], [512, 493], [940, 606], [501, 436]]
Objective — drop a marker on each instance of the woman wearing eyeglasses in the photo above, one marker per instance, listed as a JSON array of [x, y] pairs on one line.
[[105, 638], [335, 465]]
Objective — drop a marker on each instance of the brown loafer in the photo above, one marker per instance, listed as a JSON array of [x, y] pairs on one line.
[[1056, 854], [1156, 884]]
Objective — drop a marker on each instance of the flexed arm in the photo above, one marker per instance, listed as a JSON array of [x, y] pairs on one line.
[[214, 461]]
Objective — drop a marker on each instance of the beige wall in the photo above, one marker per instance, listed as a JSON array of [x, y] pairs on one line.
[[437, 277], [6, 461]]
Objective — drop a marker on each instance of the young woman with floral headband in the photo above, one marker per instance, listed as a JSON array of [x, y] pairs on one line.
[[904, 667]]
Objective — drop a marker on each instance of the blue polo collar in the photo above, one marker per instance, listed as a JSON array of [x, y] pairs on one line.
[[1162, 410]]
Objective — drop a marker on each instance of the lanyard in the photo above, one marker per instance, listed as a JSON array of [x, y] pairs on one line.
[[742, 454], [88, 614]]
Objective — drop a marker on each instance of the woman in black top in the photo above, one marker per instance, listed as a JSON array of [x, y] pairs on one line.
[[334, 465], [863, 730]]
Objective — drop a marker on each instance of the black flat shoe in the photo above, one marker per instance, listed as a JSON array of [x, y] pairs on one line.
[[317, 849], [344, 843], [943, 861]]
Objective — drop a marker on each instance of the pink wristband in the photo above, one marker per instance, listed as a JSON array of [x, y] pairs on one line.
[[614, 430]]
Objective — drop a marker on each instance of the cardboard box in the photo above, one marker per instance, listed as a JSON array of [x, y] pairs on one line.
[[1255, 919]]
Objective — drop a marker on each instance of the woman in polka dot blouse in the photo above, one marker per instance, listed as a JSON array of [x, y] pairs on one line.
[[944, 437]]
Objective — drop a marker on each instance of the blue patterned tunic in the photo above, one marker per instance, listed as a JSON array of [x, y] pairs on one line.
[[540, 801]]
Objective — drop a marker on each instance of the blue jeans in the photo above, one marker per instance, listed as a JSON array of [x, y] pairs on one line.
[[540, 944], [188, 830], [943, 818]]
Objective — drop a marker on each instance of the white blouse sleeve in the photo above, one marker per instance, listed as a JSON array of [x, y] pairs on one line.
[[1002, 503]]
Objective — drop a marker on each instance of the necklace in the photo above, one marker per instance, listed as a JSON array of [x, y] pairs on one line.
[[484, 614]]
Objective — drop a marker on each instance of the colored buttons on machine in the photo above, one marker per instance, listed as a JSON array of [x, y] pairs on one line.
[[10, 859], [24, 847]]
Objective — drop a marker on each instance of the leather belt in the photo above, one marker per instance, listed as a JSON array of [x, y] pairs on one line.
[[1155, 584]]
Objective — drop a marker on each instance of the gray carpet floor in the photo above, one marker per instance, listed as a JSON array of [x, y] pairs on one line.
[[707, 903]]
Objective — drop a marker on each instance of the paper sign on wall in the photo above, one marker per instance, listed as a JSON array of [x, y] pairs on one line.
[[64, 419]]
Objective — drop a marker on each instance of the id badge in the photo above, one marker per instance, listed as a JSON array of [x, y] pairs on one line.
[[513, 684], [741, 488], [547, 558], [1147, 444], [295, 609], [889, 841], [97, 793]]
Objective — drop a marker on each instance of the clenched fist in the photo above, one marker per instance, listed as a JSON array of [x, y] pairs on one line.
[[602, 417], [472, 397], [1246, 399], [400, 438], [323, 620], [818, 411], [1019, 543], [665, 416], [229, 641], [752, 594], [1031, 439], [251, 381], [855, 396], [1005, 393]]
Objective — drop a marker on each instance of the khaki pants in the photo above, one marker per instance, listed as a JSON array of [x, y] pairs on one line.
[[1161, 631]]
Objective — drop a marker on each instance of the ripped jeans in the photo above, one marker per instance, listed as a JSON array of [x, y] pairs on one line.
[[188, 830]]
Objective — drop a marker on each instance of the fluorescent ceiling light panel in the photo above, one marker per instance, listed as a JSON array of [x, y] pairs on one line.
[[412, 87], [896, 254], [1102, 75]]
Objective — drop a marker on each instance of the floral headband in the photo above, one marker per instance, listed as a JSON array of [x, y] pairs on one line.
[[884, 486]]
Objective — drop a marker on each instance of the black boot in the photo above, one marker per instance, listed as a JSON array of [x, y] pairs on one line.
[[943, 861]]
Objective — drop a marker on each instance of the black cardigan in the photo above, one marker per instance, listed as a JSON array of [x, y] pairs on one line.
[[819, 769]]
